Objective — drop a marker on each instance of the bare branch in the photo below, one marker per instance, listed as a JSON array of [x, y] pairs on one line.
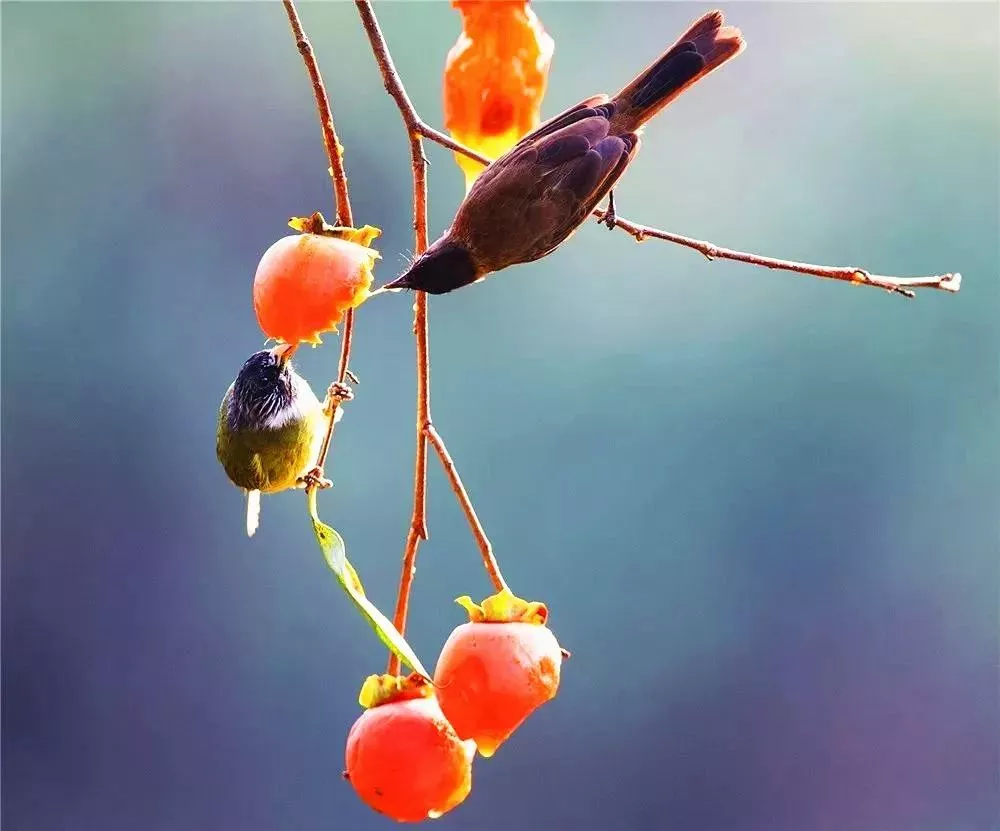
[[898, 285], [342, 198], [451, 471], [446, 141], [334, 149], [418, 164]]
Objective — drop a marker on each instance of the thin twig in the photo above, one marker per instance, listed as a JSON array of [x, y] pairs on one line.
[[451, 471], [334, 149], [858, 276], [418, 163], [446, 141], [345, 218]]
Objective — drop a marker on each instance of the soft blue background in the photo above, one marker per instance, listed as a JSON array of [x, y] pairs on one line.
[[762, 508]]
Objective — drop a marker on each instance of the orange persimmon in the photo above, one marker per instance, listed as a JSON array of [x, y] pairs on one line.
[[305, 282], [497, 669], [494, 78], [403, 758]]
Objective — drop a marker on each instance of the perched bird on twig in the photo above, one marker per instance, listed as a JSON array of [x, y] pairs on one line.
[[271, 427], [532, 199]]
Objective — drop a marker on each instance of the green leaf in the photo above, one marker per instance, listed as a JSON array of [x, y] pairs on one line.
[[332, 545]]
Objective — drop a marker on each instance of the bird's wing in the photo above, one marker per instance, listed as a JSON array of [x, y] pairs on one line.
[[558, 178], [582, 110], [223, 414], [565, 117], [542, 190]]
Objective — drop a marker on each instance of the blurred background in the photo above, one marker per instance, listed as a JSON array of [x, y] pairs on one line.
[[762, 508]]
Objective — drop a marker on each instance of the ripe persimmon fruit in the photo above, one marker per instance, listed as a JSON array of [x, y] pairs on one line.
[[495, 78], [305, 282], [403, 758], [497, 669]]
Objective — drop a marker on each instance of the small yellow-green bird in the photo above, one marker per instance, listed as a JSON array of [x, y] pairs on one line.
[[271, 427]]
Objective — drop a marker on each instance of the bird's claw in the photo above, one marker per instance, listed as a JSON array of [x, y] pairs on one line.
[[337, 394], [610, 218], [315, 479], [340, 391]]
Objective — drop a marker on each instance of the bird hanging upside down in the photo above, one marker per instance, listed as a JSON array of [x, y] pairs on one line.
[[271, 428], [532, 199]]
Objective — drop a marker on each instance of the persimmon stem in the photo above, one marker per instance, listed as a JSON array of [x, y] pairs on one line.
[[345, 218], [416, 130]]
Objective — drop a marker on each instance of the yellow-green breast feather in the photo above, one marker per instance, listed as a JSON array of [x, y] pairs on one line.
[[271, 458]]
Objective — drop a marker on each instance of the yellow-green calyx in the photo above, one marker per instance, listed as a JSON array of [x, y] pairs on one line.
[[504, 607], [383, 689], [317, 224]]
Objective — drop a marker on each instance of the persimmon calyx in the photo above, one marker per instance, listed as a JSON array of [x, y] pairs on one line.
[[384, 689], [504, 607], [317, 224]]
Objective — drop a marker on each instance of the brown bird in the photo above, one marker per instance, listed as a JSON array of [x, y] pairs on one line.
[[532, 199]]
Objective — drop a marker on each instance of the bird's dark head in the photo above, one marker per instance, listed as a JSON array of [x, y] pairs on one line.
[[443, 267], [265, 385]]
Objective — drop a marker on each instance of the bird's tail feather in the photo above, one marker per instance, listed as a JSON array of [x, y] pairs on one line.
[[701, 49], [253, 512]]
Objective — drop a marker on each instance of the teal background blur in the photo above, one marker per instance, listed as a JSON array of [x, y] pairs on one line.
[[761, 507]]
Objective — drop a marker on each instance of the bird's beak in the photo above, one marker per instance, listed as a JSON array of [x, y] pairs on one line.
[[283, 352]]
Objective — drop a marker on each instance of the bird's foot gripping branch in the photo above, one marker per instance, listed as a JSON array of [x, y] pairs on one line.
[[410, 753]]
